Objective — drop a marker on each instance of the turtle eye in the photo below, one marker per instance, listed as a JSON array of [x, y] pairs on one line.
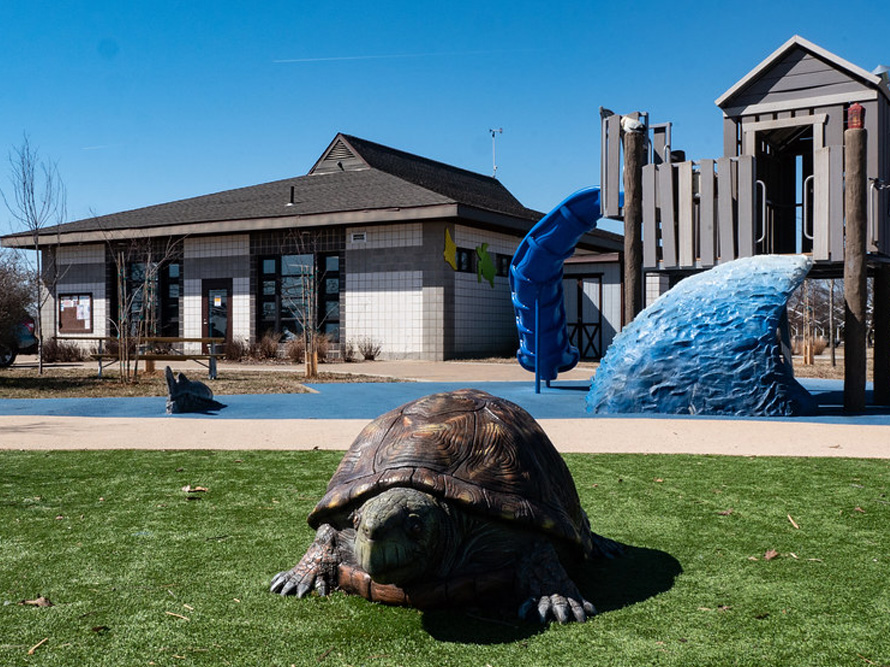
[[414, 525]]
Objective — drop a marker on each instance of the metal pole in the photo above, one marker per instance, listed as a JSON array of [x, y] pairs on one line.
[[494, 162], [831, 322], [537, 344]]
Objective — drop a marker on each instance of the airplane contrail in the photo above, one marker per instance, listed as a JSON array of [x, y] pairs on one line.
[[390, 56]]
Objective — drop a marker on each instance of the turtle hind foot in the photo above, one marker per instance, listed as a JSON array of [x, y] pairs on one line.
[[317, 569]]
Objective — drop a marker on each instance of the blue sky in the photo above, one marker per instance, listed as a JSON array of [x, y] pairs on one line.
[[146, 102]]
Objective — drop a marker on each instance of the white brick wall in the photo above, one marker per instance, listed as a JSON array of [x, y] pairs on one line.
[[388, 308], [241, 309], [656, 285]]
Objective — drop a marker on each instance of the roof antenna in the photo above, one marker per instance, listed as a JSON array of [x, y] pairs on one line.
[[494, 162]]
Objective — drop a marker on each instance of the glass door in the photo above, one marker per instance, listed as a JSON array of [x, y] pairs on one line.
[[217, 309]]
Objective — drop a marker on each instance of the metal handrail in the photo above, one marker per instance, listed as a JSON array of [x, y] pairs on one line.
[[803, 224], [874, 185], [762, 211]]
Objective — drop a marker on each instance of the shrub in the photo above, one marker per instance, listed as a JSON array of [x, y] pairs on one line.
[[369, 348], [295, 350], [61, 351], [819, 345], [234, 350], [349, 351], [113, 346], [266, 347]]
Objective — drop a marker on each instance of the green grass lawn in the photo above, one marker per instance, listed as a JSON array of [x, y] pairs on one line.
[[141, 572]]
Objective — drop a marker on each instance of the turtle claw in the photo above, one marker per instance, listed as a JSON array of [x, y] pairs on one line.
[[285, 583], [315, 569], [557, 608]]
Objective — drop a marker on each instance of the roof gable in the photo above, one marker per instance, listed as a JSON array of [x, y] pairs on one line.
[[799, 70], [459, 185], [338, 156]]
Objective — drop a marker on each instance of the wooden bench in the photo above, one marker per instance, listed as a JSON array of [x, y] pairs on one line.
[[106, 359]]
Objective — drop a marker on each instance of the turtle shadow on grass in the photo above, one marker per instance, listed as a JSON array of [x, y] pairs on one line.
[[634, 577], [611, 584]]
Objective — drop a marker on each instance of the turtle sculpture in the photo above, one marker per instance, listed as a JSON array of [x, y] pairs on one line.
[[455, 499]]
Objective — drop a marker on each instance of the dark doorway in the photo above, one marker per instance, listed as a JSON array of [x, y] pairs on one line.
[[584, 318], [785, 190]]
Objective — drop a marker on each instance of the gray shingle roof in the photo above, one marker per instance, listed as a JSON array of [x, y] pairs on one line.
[[392, 179], [459, 185]]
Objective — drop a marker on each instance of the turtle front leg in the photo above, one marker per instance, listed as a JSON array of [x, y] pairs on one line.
[[552, 595], [316, 570]]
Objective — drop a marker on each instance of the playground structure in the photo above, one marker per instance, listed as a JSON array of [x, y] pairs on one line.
[[537, 290], [796, 178]]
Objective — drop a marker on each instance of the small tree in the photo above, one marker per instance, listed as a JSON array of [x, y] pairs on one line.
[[300, 293], [37, 201]]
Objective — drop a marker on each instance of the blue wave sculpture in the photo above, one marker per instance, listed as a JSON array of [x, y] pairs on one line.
[[709, 346]]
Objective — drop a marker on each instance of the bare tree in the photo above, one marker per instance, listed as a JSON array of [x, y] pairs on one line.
[[300, 291], [137, 262], [38, 200]]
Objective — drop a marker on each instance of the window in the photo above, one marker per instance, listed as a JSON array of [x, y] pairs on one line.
[[465, 259], [151, 298], [296, 289], [503, 264], [170, 291]]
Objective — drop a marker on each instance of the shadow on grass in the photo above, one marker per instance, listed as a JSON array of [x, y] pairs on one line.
[[635, 576], [611, 584]]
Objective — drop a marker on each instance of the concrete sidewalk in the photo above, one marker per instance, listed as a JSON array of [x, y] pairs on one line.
[[41, 429]]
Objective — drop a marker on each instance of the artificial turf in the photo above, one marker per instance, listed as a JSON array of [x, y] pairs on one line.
[[748, 561]]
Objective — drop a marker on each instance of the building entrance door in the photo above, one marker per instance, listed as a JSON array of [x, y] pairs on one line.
[[217, 309]]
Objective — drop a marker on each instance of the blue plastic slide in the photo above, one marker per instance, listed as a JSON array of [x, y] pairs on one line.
[[536, 285]]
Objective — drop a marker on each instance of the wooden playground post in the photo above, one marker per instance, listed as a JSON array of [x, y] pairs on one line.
[[634, 154], [855, 142]]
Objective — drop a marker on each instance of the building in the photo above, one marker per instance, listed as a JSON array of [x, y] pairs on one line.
[[372, 244]]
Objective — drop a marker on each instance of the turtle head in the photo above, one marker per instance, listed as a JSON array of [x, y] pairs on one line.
[[401, 535]]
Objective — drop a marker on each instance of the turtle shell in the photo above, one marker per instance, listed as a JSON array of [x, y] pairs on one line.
[[480, 452]]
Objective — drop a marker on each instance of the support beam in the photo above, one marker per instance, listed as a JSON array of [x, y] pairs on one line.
[[855, 141], [881, 314], [634, 155]]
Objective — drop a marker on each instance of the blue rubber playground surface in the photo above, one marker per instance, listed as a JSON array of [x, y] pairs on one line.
[[564, 400]]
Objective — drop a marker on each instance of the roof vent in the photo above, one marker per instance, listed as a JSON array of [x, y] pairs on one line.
[[340, 151], [339, 157]]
